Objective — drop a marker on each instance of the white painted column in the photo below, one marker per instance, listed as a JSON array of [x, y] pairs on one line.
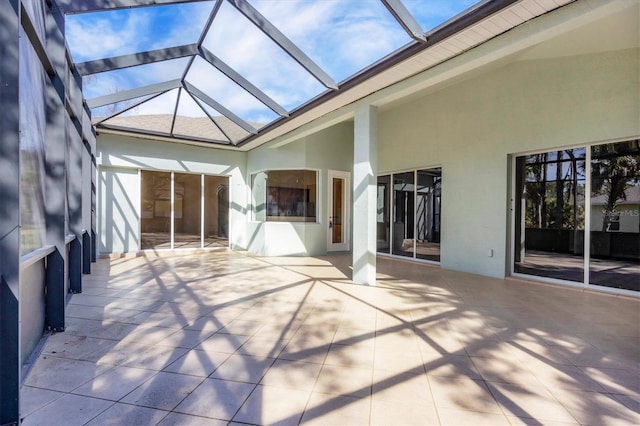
[[365, 171]]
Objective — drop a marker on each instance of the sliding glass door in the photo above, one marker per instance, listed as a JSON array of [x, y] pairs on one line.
[[614, 248], [408, 214], [560, 233], [183, 210]]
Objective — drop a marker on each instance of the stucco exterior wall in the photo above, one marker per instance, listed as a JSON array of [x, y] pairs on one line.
[[329, 149], [119, 160], [473, 127]]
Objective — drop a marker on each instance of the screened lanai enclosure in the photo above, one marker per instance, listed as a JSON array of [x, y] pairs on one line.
[[225, 71]]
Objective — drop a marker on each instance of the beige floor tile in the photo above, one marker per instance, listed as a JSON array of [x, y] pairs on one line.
[[32, 399], [63, 374], [219, 399], [347, 335], [243, 368], [324, 409], [125, 414], [399, 360], [450, 416], [292, 374], [148, 334], [68, 410], [185, 338], [273, 406], [559, 376], [507, 370], [242, 327], [177, 419], [164, 391], [528, 421], [390, 386], [630, 402], [529, 402], [450, 366], [154, 357], [228, 343], [263, 346], [307, 350], [399, 412], [337, 380], [197, 363], [615, 380], [594, 408], [463, 394], [434, 337], [115, 383], [355, 355]]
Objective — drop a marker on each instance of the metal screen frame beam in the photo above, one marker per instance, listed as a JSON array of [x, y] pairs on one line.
[[130, 107], [126, 95], [218, 107], [199, 103], [242, 82], [281, 40], [405, 19], [135, 59], [10, 212], [70, 7]]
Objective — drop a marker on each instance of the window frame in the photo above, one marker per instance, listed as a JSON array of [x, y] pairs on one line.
[[284, 218]]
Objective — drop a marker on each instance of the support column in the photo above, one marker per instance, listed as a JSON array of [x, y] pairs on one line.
[[55, 178], [9, 213], [365, 171]]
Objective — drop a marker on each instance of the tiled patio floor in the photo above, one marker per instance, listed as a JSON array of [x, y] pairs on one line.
[[225, 338]]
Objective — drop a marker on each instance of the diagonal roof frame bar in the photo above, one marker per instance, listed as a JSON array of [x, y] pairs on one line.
[[130, 107], [125, 95], [199, 103], [219, 107], [242, 82], [70, 7], [281, 40], [135, 59], [175, 111], [405, 19], [203, 35]]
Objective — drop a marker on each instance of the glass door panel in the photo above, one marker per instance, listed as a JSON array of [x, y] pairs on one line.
[[403, 214], [155, 209], [187, 210], [337, 236], [615, 215], [428, 214], [382, 215], [338, 211], [549, 214], [216, 211]]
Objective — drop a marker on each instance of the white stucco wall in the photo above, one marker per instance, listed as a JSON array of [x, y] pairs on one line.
[[118, 210], [119, 160], [472, 127], [329, 149]]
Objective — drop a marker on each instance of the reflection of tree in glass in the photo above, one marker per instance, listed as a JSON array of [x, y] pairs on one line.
[[614, 169], [553, 186]]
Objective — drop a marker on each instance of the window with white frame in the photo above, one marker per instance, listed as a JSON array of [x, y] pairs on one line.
[[285, 195]]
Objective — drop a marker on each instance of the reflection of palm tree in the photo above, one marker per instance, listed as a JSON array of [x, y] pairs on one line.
[[614, 169]]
